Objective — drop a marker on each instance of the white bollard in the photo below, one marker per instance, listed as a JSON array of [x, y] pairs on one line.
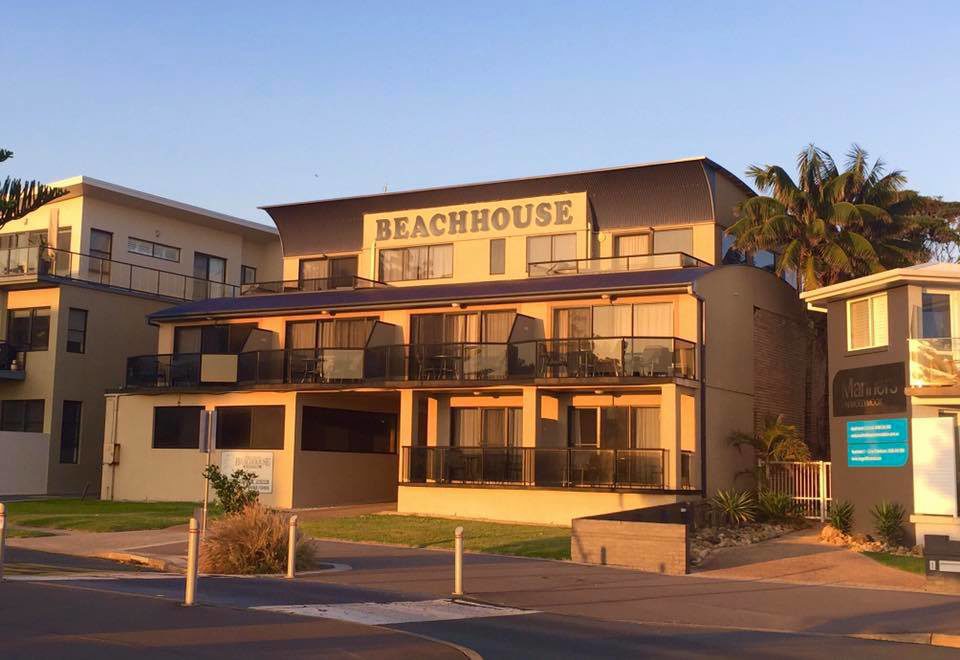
[[292, 549], [3, 535], [193, 541], [458, 562]]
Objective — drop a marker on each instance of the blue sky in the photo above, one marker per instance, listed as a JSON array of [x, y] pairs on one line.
[[234, 105]]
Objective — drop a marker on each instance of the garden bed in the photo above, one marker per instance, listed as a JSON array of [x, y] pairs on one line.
[[706, 540]]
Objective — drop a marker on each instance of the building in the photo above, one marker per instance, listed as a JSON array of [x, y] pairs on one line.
[[78, 278], [895, 393], [531, 350]]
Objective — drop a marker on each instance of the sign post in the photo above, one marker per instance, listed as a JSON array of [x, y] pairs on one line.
[[208, 429]]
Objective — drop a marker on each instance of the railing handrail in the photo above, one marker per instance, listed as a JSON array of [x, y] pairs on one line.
[[696, 263], [47, 249], [298, 285]]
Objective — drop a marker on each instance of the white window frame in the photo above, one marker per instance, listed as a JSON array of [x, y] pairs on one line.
[[876, 340]]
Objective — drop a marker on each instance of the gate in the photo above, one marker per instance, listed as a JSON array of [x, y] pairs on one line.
[[807, 482]]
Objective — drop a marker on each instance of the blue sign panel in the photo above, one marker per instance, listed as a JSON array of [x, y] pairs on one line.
[[877, 443]]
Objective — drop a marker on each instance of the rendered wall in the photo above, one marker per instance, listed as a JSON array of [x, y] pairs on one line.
[[23, 466]]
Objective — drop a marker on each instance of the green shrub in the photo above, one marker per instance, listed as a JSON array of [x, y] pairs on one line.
[[840, 516], [888, 521], [251, 542], [734, 507], [234, 493], [776, 507]]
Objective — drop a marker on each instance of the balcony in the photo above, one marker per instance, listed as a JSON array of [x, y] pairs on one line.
[[935, 362], [317, 284], [542, 360], [30, 264], [13, 362], [665, 260], [528, 467]]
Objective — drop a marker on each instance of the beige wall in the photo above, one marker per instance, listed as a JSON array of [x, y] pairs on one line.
[[546, 507], [23, 466]]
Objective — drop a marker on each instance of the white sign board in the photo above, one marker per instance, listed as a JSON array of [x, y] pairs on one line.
[[258, 462], [934, 466]]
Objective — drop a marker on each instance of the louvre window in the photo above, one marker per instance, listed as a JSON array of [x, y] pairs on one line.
[[867, 322], [150, 249]]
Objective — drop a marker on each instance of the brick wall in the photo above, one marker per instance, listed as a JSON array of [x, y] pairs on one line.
[[779, 368], [646, 546]]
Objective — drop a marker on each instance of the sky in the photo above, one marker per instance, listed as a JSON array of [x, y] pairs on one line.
[[236, 105]]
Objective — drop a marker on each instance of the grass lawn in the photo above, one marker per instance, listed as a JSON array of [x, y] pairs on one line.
[[421, 532], [97, 516], [910, 564]]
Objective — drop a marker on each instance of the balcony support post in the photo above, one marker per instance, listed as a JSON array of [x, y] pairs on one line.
[[670, 433], [532, 409], [407, 427]]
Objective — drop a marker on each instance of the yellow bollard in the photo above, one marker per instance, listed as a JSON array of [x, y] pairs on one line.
[[292, 549], [193, 541], [458, 562]]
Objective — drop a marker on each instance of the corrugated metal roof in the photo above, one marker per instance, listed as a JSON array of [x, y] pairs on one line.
[[674, 192], [430, 295]]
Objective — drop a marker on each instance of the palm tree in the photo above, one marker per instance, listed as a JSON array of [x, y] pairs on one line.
[[831, 225], [774, 441], [18, 198]]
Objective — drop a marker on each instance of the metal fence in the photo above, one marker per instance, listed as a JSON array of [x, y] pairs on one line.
[[807, 482]]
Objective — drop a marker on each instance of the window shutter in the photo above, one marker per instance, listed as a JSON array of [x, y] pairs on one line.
[[858, 320], [879, 320]]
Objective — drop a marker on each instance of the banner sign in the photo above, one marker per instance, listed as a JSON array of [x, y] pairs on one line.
[[877, 443], [877, 390], [258, 462]]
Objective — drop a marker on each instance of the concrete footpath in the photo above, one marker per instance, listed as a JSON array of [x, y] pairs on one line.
[[161, 549]]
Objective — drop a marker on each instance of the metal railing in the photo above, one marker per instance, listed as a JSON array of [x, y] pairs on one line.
[[808, 483], [315, 284], [614, 264], [44, 261], [607, 357], [536, 466], [934, 362]]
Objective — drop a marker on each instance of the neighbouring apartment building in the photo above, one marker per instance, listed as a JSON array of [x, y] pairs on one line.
[[78, 278], [531, 350], [894, 368]]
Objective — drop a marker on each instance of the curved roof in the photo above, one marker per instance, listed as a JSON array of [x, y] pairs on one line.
[[674, 192]]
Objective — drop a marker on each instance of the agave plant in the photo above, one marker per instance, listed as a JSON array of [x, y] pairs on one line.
[[734, 507], [776, 507], [888, 521], [840, 516]]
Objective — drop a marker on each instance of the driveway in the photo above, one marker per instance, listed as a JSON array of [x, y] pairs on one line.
[[800, 558]]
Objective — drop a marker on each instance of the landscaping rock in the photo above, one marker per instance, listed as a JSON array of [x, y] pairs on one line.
[[707, 539]]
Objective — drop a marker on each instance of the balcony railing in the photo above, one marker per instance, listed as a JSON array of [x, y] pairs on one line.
[[614, 264], [536, 466], [44, 261], [607, 357], [315, 284], [935, 362], [13, 362]]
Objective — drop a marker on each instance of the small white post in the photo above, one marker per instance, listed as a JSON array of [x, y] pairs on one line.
[[822, 474], [458, 562], [292, 549], [3, 535], [193, 541]]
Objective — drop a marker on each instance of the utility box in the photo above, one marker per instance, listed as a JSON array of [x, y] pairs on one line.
[[942, 560]]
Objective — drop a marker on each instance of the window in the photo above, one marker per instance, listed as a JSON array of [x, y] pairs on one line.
[[176, 427], [248, 275], [615, 427], [23, 239], [70, 432], [629, 245], [486, 427], [250, 427], [335, 333], [229, 338], [424, 262], [22, 415], [673, 240], [101, 251], [330, 429], [559, 248], [935, 319], [343, 271], [332, 273], [77, 330], [498, 256], [209, 274], [29, 329], [639, 320], [491, 326], [867, 322], [150, 249]]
